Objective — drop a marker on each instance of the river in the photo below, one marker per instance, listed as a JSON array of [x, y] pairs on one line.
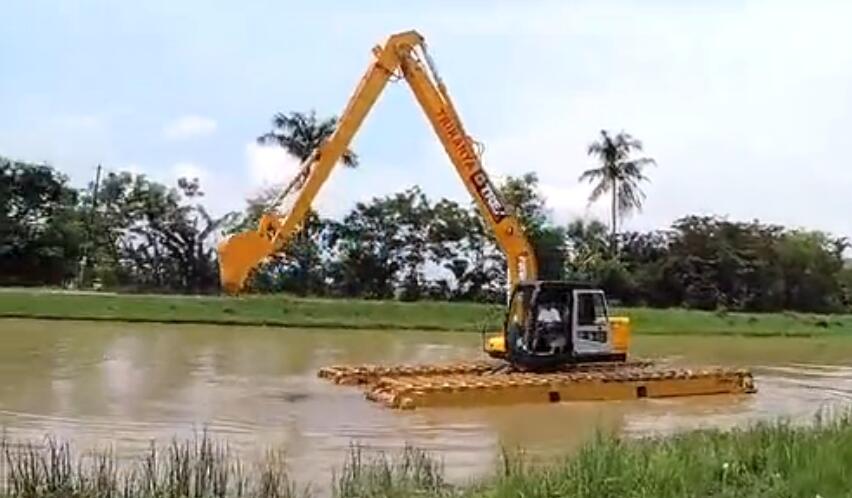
[[124, 385]]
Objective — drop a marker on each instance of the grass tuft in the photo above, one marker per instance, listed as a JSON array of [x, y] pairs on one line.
[[196, 468], [411, 472], [766, 459]]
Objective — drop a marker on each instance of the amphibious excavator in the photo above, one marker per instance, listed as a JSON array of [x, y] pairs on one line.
[[558, 340]]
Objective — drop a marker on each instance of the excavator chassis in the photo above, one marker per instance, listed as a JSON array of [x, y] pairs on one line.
[[478, 384]]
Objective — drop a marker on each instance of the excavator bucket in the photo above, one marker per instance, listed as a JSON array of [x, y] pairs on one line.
[[238, 255]]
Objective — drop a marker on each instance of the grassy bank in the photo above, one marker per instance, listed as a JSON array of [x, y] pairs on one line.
[[290, 311], [277, 310], [764, 460]]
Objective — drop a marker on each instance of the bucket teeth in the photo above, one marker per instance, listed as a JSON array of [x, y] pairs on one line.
[[481, 383]]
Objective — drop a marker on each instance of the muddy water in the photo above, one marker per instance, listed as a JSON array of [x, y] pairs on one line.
[[128, 384]]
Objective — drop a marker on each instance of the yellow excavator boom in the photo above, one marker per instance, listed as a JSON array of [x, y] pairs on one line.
[[403, 53]]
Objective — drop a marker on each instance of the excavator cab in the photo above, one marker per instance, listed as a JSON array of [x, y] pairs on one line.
[[552, 323]]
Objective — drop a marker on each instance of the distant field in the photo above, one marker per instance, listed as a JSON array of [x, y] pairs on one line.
[[288, 311]]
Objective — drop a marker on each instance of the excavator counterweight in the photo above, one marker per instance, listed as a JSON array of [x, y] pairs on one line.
[[551, 328]]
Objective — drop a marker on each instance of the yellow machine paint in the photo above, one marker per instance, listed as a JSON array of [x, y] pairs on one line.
[[495, 345], [240, 253], [404, 56], [621, 331]]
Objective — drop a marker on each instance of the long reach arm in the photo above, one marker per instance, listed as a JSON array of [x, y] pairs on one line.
[[405, 53]]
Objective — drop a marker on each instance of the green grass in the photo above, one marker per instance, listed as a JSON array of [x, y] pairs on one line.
[[274, 310], [198, 468], [290, 311], [770, 459], [677, 321]]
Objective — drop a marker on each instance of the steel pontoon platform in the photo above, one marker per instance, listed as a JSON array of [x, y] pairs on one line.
[[484, 383]]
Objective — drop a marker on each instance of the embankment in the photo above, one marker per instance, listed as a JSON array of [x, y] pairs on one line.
[[289, 311]]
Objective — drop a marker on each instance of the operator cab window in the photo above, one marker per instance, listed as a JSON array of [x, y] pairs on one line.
[[520, 302], [591, 316]]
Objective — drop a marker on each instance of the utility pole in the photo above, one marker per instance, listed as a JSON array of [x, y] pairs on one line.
[[84, 262], [95, 198]]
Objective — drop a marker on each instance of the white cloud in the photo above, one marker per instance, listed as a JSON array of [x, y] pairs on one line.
[[269, 165], [570, 202], [272, 167], [218, 191], [189, 126]]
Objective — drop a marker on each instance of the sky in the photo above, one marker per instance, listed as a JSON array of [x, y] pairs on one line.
[[745, 105]]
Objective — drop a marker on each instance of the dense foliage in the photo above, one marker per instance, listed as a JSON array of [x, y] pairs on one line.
[[40, 227], [146, 236], [142, 234]]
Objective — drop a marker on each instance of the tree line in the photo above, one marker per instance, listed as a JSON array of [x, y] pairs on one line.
[[128, 232]]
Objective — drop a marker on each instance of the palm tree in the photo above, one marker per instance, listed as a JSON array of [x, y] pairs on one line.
[[618, 174], [300, 133]]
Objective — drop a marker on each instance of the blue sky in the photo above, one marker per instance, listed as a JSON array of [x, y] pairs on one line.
[[745, 105]]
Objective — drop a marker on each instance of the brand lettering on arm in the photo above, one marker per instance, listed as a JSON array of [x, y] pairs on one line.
[[478, 178], [489, 194]]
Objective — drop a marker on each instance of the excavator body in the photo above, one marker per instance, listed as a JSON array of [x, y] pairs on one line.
[[558, 341]]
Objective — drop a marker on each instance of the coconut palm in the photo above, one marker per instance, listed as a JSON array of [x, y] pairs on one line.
[[619, 174], [300, 133]]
